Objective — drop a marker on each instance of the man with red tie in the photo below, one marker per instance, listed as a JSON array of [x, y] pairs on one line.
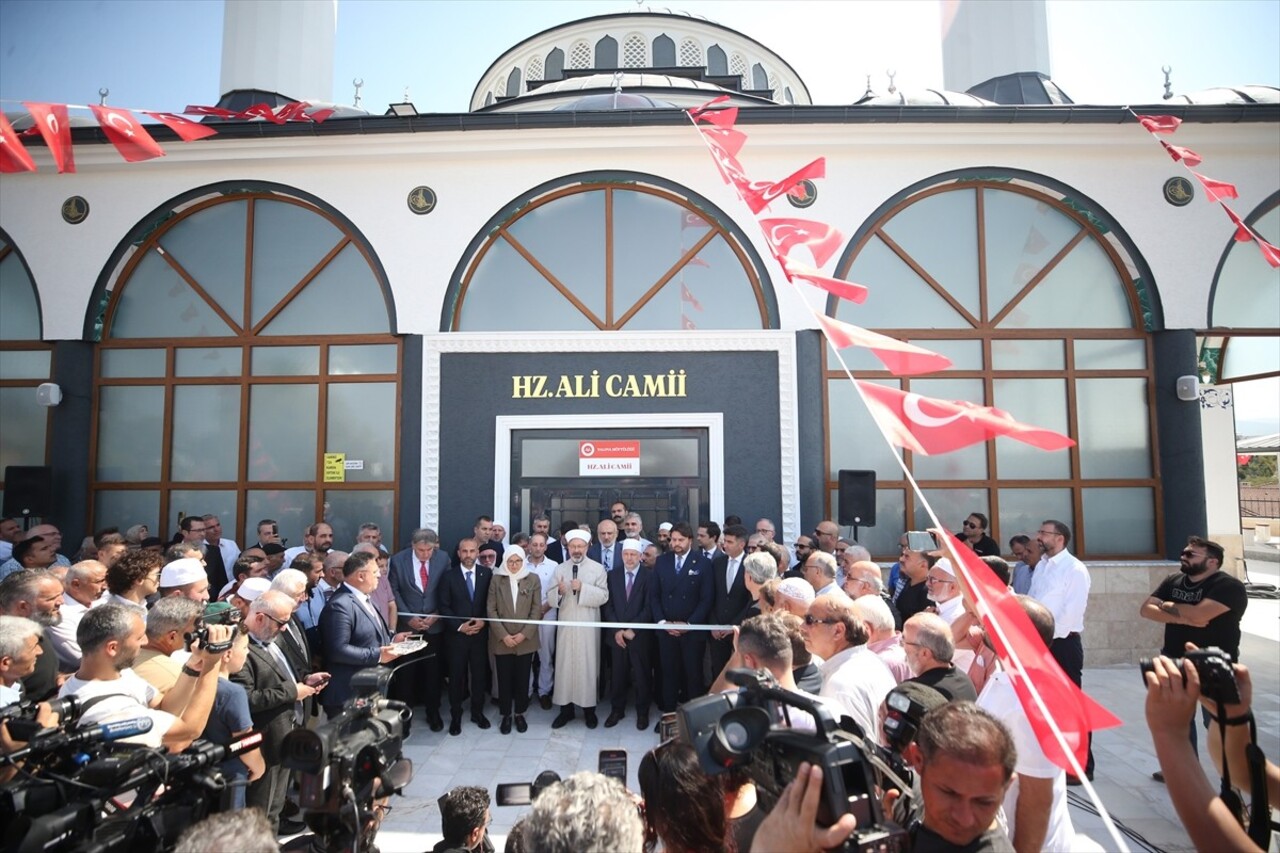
[[415, 575]]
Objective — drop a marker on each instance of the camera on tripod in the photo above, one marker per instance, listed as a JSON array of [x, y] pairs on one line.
[[730, 730], [349, 763]]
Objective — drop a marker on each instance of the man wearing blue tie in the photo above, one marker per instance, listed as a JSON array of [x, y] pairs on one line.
[[608, 550], [682, 593], [352, 630], [464, 596]]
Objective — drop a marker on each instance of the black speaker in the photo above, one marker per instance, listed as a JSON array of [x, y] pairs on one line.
[[28, 491], [857, 499]]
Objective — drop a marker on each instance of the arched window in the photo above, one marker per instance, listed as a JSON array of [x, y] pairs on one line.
[[606, 53], [1038, 308], [580, 55], [775, 88], [691, 53], [1246, 300], [555, 64], [605, 256], [25, 362], [247, 336], [759, 77], [717, 62], [633, 52], [513, 83], [664, 52]]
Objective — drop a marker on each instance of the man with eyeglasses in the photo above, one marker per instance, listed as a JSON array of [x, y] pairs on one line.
[[863, 577], [975, 536], [820, 572], [803, 547], [1061, 583], [944, 592], [827, 535], [852, 675]]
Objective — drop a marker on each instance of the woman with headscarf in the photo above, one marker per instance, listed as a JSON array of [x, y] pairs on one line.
[[515, 593]]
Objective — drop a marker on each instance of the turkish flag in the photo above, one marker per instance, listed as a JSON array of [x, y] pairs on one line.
[[1244, 234], [686, 323], [930, 426], [217, 112], [1217, 190], [692, 220], [1027, 662], [785, 234], [1243, 458], [55, 127], [728, 138], [720, 118], [1185, 155], [760, 194], [686, 295], [902, 358], [838, 287], [262, 110], [129, 137], [187, 130], [13, 155], [1159, 124], [697, 111]]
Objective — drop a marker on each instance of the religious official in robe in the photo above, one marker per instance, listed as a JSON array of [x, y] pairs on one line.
[[579, 590]]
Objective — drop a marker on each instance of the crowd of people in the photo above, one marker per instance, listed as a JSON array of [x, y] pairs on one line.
[[518, 618]]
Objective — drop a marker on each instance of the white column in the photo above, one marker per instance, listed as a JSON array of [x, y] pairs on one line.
[[283, 46]]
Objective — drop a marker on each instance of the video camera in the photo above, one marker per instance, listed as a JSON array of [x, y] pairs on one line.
[[1213, 665], [21, 715], [349, 763], [729, 730]]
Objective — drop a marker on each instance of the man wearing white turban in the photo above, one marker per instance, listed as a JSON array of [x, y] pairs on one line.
[[579, 590]]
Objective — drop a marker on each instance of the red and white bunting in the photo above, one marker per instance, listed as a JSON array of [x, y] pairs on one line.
[[900, 357]]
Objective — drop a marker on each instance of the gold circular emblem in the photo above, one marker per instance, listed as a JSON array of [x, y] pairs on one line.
[[1179, 192], [422, 200], [75, 210]]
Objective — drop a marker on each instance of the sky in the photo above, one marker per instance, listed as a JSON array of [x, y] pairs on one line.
[[162, 55]]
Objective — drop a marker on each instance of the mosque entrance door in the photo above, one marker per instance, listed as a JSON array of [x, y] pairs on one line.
[[578, 474]]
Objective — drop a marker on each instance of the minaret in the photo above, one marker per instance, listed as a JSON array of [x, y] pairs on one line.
[[283, 46], [982, 39]]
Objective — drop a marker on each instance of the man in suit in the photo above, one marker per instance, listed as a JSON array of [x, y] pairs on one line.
[[416, 574], [732, 598], [709, 540], [293, 637], [464, 595], [682, 593], [607, 551], [352, 631], [631, 650], [276, 695]]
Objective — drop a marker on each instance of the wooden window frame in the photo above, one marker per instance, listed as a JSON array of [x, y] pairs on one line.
[[612, 320], [29, 345], [985, 330], [246, 340]]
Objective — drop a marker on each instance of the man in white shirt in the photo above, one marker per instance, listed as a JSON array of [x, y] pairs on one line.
[[220, 553], [944, 592], [110, 638], [1035, 806], [84, 587], [19, 649], [820, 571], [10, 530], [852, 675], [1061, 584], [545, 569]]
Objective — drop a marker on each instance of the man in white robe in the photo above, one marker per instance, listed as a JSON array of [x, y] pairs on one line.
[[579, 591]]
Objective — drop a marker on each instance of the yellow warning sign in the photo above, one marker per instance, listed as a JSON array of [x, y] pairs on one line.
[[335, 468]]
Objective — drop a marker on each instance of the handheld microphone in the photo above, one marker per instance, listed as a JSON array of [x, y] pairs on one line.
[[576, 592]]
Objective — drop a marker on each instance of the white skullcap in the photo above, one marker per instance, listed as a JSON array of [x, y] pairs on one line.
[[632, 545], [797, 589], [666, 525], [944, 565], [252, 588], [580, 535], [181, 572]]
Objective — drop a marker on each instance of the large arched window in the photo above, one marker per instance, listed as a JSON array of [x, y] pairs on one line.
[[1246, 300], [1037, 304], [606, 256], [247, 334], [25, 362]]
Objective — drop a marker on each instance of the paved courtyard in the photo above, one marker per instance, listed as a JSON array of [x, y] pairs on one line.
[[1124, 756]]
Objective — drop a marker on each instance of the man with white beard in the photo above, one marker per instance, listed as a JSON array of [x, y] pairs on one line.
[[580, 590]]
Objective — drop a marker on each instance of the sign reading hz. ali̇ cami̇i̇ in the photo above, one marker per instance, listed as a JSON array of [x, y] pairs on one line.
[[593, 384], [608, 458]]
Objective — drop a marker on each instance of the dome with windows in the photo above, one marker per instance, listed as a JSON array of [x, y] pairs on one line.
[[670, 57]]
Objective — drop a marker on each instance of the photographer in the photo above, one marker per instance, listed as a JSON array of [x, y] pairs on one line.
[[110, 637], [587, 811], [464, 819], [684, 807], [1171, 706]]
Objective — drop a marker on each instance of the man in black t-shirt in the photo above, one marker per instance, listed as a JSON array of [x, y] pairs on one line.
[[1200, 604]]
